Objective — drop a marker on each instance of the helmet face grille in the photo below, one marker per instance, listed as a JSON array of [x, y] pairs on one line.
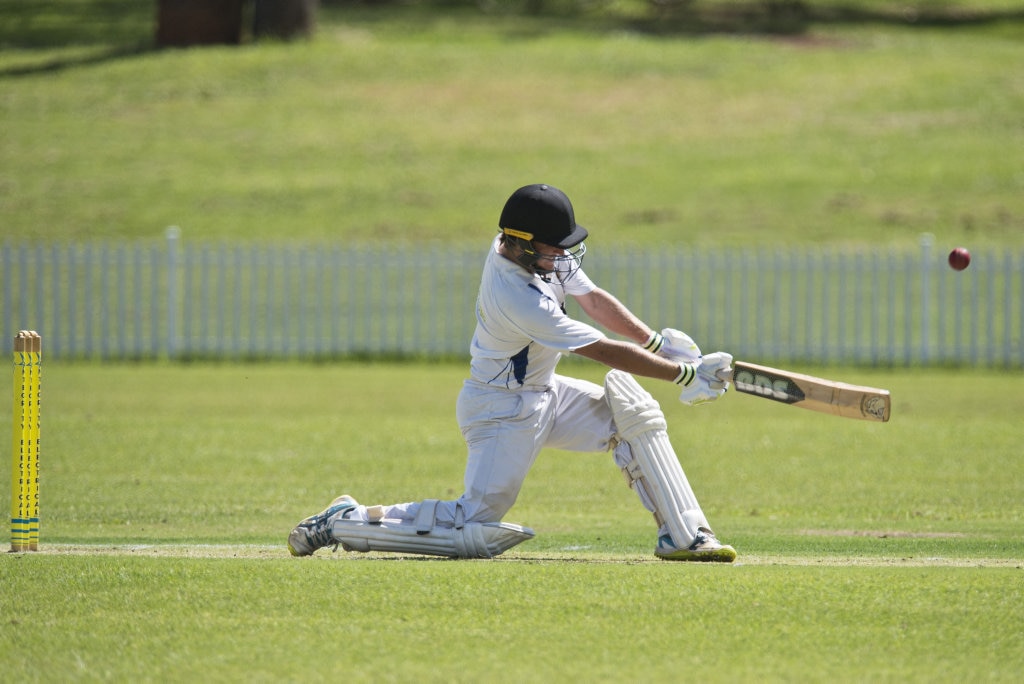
[[563, 265], [570, 262]]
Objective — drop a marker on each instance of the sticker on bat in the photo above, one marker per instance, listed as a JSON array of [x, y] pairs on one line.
[[873, 406], [767, 385]]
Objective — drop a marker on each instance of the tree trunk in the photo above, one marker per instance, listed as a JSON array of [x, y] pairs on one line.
[[284, 19], [198, 22]]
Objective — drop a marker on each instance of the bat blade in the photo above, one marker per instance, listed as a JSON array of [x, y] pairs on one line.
[[806, 391]]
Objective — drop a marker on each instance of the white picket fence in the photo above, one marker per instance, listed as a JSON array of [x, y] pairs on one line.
[[179, 299]]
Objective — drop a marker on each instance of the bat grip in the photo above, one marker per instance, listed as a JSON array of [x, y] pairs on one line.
[[724, 374]]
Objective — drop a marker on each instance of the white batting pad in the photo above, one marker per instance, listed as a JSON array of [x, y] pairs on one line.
[[654, 469], [473, 540]]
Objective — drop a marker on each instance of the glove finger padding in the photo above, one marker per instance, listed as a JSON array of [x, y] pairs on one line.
[[679, 346], [707, 386], [710, 364], [699, 392]]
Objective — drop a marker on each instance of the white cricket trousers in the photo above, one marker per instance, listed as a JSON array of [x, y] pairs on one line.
[[505, 430]]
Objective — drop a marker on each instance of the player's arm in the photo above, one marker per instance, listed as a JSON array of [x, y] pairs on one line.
[[630, 358], [694, 372], [699, 379], [605, 309]]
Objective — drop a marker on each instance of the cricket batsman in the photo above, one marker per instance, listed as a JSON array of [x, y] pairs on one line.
[[514, 403]]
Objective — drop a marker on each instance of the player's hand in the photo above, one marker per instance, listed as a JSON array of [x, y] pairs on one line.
[[710, 365], [679, 346], [707, 386]]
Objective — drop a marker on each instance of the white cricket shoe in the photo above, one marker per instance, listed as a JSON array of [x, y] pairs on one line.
[[704, 548], [315, 531]]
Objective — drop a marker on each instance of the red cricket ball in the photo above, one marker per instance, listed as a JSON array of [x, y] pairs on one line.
[[959, 259]]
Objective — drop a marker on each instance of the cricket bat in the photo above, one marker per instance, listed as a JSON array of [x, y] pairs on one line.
[[809, 392]]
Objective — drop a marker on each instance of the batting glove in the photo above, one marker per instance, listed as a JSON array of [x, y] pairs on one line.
[[678, 346], [706, 386]]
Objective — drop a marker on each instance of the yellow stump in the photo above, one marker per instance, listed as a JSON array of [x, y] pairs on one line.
[[28, 354]]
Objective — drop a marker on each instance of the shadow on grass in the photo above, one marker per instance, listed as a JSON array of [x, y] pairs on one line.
[[796, 17], [91, 31], [60, 64], [45, 24]]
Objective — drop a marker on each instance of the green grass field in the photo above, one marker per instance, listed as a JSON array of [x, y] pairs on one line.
[[877, 552], [416, 123], [868, 552]]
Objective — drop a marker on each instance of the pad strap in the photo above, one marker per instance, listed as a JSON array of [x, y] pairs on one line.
[[426, 516]]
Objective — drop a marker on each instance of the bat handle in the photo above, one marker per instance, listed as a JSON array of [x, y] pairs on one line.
[[724, 374]]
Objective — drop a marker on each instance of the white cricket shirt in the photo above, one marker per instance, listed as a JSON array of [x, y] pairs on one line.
[[522, 329]]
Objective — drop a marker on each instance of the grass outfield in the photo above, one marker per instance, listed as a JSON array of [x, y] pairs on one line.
[[867, 552], [415, 123]]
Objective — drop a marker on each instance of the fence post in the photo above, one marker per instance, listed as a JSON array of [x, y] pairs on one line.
[[927, 240], [173, 235]]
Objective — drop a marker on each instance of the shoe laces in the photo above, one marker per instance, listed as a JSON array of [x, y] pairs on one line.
[[703, 536], [318, 530]]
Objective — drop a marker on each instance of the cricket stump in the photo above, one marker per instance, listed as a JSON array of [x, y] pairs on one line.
[[28, 353]]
